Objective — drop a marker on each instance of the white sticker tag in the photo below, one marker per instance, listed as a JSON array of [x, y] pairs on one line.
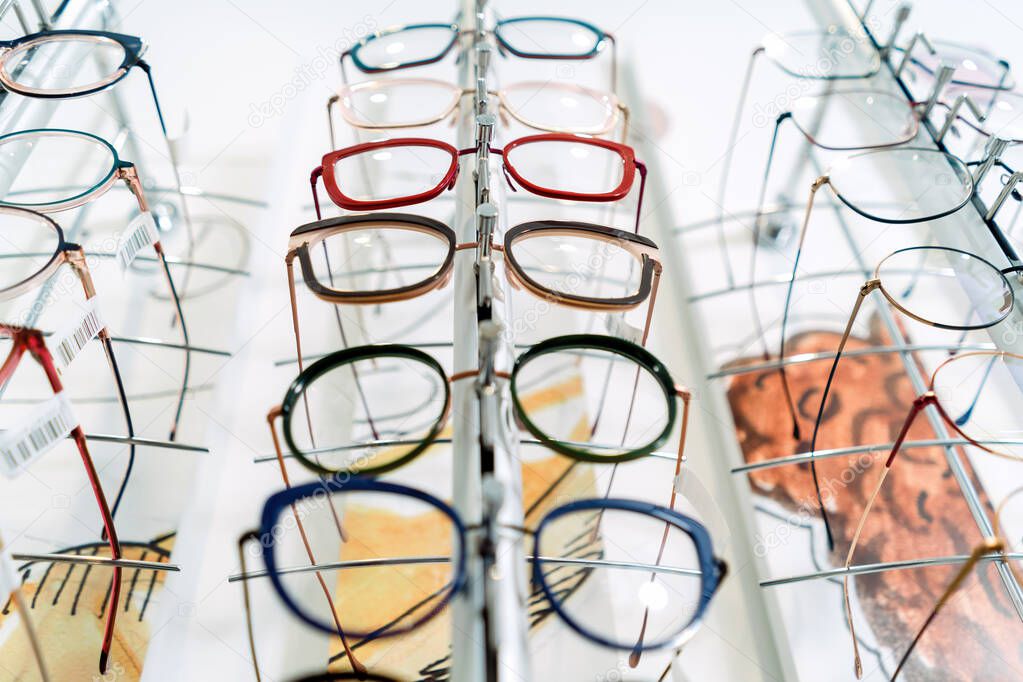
[[617, 326], [141, 233], [50, 423], [8, 574], [74, 337]]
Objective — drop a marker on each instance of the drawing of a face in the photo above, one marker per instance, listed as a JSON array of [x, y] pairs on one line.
[[919, 513], [67, 601]]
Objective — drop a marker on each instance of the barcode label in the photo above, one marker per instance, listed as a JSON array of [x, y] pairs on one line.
[[8, 574], [49, 424], [73, 338], [140, 234], [617, 326]]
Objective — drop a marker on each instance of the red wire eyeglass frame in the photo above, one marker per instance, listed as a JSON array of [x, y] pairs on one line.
[[31, 341]]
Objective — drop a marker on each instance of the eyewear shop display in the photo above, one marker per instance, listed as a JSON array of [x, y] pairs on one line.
[[494, 417]]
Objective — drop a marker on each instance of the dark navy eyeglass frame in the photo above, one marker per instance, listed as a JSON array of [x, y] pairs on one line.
[[281, 501], [712, 569], [601, 38], [134, 48]]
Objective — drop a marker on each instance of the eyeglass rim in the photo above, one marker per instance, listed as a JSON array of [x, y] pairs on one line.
[[642, 245], [613, 107], [943, 325], [913, 119], [353, 51], [1010, 82], [82, 197], [598, 46], [875, 61], [300, 247], [905, 221], [643, 358], [133, 48], [348, 356], [625, 152], [346, 202], [346, 90], [282, 500], [710, 574], [27, 284]]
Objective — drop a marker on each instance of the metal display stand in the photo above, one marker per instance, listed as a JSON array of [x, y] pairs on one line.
[[489, 616]]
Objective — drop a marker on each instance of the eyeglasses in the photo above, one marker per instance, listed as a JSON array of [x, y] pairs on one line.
[[594, 536], [915, 282], [35, 246], [404, 171], [31, 341], [393, 422], [414, 45], [97, 168], [417, 102], [954, 390], [36, 65], [570, 263]]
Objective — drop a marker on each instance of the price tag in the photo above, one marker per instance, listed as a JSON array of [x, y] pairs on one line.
[[74, 337], [141, 233], [617, 326], [49, 424]]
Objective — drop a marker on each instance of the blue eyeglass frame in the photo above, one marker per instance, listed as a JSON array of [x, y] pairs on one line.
[[712, 569], [600, 39], [277, 503], [600, 36]]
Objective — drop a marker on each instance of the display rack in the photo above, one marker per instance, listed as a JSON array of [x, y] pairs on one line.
[[972, 228], [489, 616]]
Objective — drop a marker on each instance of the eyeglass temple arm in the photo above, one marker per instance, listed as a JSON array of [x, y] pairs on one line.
[[987, 546], [78, 262], [129, 173], [641, 167], [614, 62], [860, 297], [758, 218], [252, 536], [651, 302], [331, 101], [918, 405], [789, 400], [313, 177], [726, 165], [271, 417], [685, 395]]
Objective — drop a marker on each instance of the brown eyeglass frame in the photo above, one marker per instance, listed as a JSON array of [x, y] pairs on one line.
[[307, 236]]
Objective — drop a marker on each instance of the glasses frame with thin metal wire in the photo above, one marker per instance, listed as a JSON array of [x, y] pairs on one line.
[[920, 403]]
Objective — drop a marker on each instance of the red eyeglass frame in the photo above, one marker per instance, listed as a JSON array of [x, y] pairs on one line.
[[631, 165], [31, 340]]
